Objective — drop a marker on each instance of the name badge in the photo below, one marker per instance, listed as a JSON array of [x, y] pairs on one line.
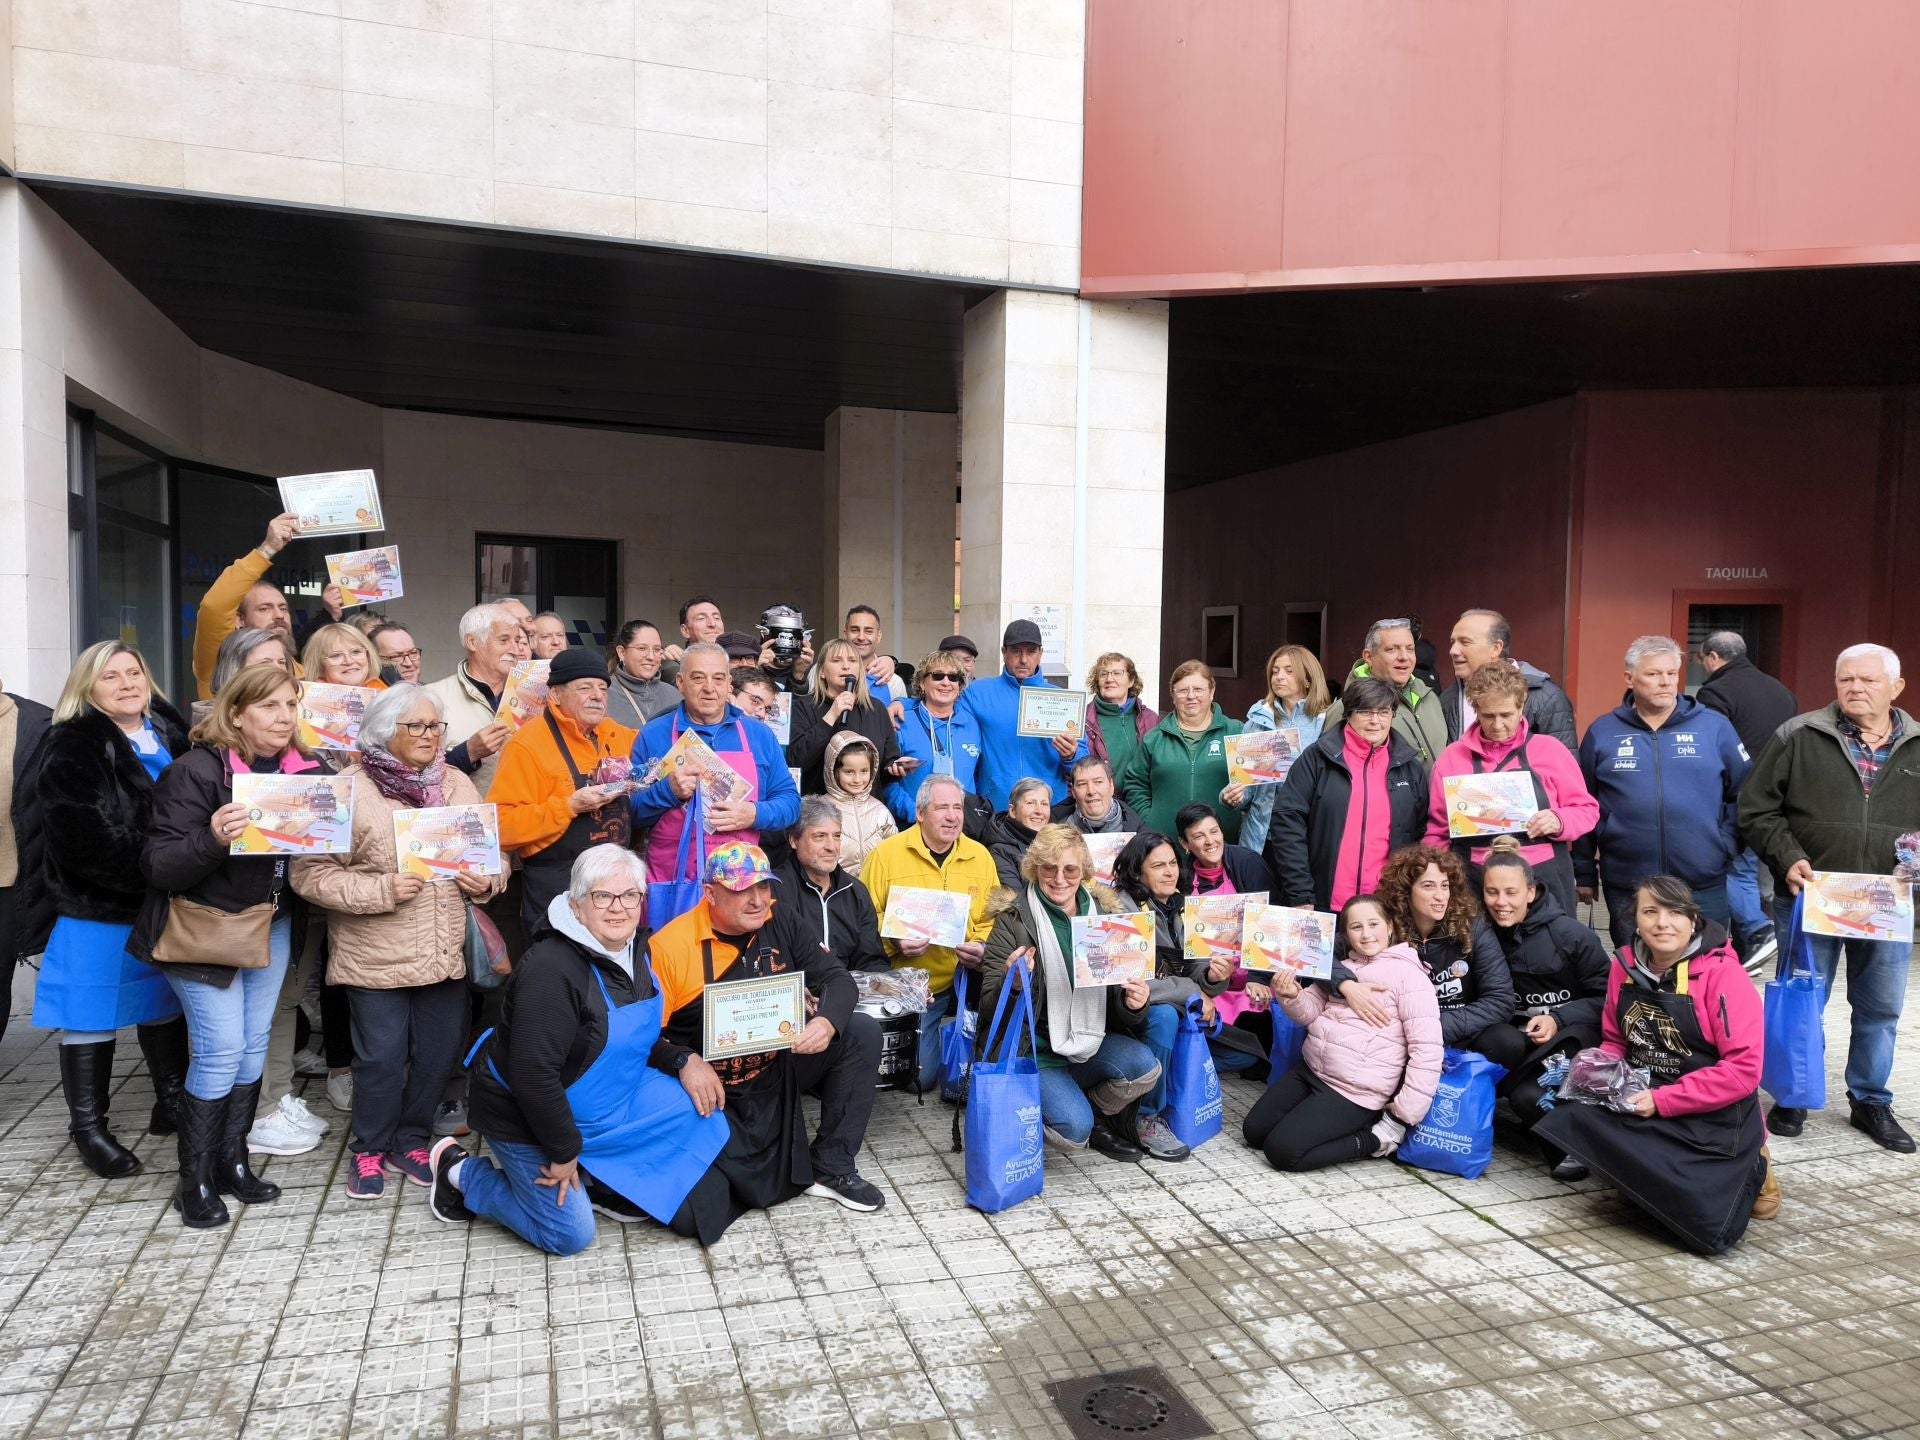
[[943, 765]]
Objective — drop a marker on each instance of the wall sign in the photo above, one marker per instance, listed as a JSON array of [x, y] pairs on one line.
[[1723, 572]]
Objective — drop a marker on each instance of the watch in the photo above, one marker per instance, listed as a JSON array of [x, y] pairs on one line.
[[680, 1063]]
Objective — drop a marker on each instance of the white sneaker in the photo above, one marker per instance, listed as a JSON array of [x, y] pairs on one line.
[[340, 1092], [295, 1109], [277, 1134], [309, 1064]]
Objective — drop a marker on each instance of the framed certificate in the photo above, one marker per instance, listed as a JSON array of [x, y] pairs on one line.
[[1046, 712], [367, 576], [751, 1017], [335, 502]]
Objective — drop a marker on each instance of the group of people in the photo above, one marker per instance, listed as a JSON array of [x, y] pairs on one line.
[[631, 887]]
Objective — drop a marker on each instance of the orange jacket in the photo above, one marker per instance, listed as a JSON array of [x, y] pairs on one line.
[[533, 784]]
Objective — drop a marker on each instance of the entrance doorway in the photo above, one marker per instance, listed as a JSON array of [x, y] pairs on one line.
[[576, 579]]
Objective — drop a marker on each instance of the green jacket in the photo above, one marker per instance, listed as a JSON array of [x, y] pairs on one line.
[[1172, 768], [1417, 719], [1803, 799]]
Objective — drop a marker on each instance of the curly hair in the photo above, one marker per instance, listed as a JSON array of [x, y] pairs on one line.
[[1395, 890], [1496, 681]]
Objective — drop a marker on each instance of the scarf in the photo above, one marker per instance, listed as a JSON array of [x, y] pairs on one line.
[[1076, 1019], [1212, 880], [1119, 728], [1109, 825], [9, 738], [404, 785]]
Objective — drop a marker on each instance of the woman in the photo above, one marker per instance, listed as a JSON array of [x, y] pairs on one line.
[[1559, 971], [1183, 759], [1501, 740], [1693, 1154], [239, 650], [839, 700], [1215, 867], [939, 735], [1359, 1087], [1094, 1067], [339, 654], [229, 1010], [396, 942], [1297, 699], [1331, 833], [88, 811], [637, 693], [1117, 718], [576, 1117], [1011, 831]]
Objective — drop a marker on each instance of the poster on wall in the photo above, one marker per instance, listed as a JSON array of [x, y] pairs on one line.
[[1052, 620], [333, 502]]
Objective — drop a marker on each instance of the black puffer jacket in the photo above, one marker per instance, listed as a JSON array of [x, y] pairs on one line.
[[1310, 815], [1475, 989], [1007, 841], [1559, 966]]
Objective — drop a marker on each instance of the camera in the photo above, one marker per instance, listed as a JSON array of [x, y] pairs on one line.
[[786, 627]]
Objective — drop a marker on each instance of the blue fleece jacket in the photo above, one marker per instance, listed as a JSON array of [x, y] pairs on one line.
[[1666, 796], [923, 738], [779, 802], [1006, 758]]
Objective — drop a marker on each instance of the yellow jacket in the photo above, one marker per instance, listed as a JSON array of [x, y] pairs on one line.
[[220, 614], [904, 859]]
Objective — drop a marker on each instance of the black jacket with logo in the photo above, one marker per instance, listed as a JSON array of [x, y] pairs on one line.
[[1310, 815]]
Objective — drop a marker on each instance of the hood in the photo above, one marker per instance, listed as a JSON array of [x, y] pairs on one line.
[[1535, 676], [1714, 949], [561, 917], [1683, 708], [838, 746]]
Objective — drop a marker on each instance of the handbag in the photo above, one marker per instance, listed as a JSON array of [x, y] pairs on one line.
[[1288, 1041], [1005, 1143], [1195, 1106], [200, 934], [1793, 1065], [667, 900], [485, 948], [1456, 1138], [957, 1035]]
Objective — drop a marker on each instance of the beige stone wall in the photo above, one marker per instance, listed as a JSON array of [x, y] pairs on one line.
[[937, 136]]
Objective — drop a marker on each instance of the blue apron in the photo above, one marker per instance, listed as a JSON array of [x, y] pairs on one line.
[[639, 1133]]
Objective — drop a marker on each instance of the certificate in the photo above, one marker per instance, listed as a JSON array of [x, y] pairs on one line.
[[780, 717], [1046, 712], [1279, 938], [1112, 949], [448, 840], [751, 1017], [330, 715], [367, 576], [1213, 925], [1495, 804], [1261, 757], [719, 781], [1858, 907], [524, 695], [938, 917], [294, 814], [337, 502], [1105, 849]]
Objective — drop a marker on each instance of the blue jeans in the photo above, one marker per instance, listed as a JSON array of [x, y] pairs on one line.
[[937, 1010], [227, 1027], [1743, 897], [1163, 1023], [1876, 986], [1064, 1107], [508, 1196], [1712, 900]]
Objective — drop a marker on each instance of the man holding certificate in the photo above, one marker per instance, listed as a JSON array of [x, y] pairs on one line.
[[1010, 750]]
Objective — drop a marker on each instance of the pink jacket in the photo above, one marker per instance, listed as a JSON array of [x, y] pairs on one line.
[[1394, 1067], [1730, 1017], [1556, 766]]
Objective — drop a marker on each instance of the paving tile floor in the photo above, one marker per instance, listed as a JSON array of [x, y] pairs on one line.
[[1365, 1301]]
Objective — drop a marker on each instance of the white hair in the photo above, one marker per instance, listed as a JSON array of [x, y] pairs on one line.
[[1647, 646], [603, 863], [1862, 652], [477, 622], [705, 647], [924, 797], [387, 709]]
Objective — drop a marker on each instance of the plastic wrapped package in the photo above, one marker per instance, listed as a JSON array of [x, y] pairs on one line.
[[885, 993], [1597, 1077]]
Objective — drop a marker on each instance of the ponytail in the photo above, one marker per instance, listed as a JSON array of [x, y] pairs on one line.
[[1505, 851]]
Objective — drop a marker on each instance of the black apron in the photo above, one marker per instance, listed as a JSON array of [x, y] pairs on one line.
[[1696, 1174], [547, 873], [1555, 874]]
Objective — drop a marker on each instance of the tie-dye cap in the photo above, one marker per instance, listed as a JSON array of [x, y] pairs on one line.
[[738, 866]]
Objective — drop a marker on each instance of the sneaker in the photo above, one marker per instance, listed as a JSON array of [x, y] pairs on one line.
[[309, 1064], [612, 1204], [1786, 1120], [1569, 1170], [415, 1164], [451, 1118], [340, 1092], [443, 1196], [1880, 1127], [1158, 1140], [1763, 953], [295, 1109], [850, 1190], [278, 1133], [364, 1180]]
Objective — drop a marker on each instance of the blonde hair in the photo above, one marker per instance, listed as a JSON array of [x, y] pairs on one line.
[[862, 696], [1318, 699], [1053, 844], [948, 659], [313, 659], [1134, 684], [221, 726], [76, 696]]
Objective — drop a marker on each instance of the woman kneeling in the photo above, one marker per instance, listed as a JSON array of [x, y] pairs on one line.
[[1358, 1087]]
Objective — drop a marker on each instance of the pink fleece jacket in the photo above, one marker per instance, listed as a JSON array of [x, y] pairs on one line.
[[1559, 774], [1730, 1016], [1369, 829], [1394, 1067]]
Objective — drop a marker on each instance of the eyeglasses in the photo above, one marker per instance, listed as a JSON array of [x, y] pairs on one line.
[[420, 729], [401, 656], [1064, 872], [608, 900], [942, 675], [1373, 714]]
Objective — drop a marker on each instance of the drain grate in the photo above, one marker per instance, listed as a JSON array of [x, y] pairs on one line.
[[1127, 1402]]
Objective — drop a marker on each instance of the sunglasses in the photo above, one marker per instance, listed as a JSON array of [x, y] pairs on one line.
[[943, 675]]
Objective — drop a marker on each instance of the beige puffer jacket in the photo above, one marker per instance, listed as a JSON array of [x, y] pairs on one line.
[[371, 943]]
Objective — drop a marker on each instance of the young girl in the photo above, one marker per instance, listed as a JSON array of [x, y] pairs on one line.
[[864, 822], [1359, 1088]]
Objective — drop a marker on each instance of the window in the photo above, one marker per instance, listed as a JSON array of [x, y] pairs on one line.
[[1220, 640], [576, 579], [119, 513]]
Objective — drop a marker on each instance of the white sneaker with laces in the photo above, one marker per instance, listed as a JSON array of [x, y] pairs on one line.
[[277, 1134], [295, 1109], [309, 1064], [340, 1092]]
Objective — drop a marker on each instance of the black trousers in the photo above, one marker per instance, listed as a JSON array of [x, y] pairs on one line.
[[1302, 1123], [844, 1076], [405, 1044], [1507, 1044]]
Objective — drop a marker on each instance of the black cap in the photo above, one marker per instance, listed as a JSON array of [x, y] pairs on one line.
[[1020, 632], [576, 662], [959, 642], [739, 645]]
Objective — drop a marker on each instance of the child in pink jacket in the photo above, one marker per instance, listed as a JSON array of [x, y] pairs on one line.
[[1359, 1087]]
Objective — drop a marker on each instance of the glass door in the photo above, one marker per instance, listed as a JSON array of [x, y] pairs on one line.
[[120, 519], [576, 579]]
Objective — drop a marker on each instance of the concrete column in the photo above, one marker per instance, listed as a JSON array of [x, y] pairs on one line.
[[889, 525], [1063, 435]]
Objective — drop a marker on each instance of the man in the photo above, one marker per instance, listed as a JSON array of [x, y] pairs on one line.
[[1832, 792], [861, 630], [754, 692], [934, 854], [736, 932], [743, 744], [549, 633], [700, 623], [469, 698], [399, 655], [523, 618], [1756, 705], [968, 652], [1479, 638], [1091, 806], [552, 809], [241, 598], [827, 906], [1006, 756], [1667, 772], [1388, 655]]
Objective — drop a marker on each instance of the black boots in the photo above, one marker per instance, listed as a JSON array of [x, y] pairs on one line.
[[231, 1173], [165, 1048], [1114, 1136], [202, 1131], [86, 1077]]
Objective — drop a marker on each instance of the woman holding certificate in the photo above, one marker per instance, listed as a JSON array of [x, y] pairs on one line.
[[1297, 699], [1183, 759], [839, 701], [83, 817]]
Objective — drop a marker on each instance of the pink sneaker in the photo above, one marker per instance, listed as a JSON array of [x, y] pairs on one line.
[[416, 1165], [364, 1178]]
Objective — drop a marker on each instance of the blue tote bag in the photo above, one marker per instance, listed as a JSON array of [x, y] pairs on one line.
[[1195, 1106], [956, 1043], [1456, 1138], [1005, 1140], [1288, 1040], [670, 899], [1793, 1067]]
